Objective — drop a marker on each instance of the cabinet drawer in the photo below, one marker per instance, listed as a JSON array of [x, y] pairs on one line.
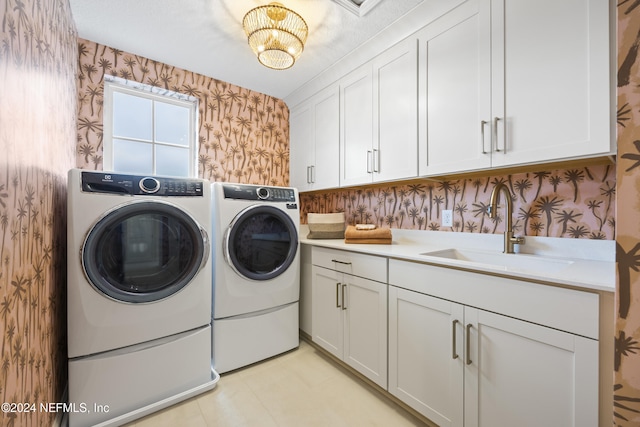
[[368, 266], [561, 308]]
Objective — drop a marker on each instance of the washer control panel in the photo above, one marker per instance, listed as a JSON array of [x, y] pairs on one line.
[[258, 193], [138, 185]]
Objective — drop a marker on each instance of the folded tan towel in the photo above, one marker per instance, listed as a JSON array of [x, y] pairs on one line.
[[369, 241], [380, 236]]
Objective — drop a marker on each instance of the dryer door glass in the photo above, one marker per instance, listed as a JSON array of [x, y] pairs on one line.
[[261, 243], [143, 252]]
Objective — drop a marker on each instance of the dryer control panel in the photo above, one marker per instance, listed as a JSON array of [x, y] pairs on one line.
[[139, 185], [258, 193]]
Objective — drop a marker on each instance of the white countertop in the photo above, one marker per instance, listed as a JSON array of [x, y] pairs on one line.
[[580, 263]]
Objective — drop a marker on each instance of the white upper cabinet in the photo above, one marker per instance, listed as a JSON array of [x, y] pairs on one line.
[[490, 83], [379, 117], [327, 139], [357, 136], [301, 146], [508, 82], [315, 135], [455, 86], [395, 81], [550, 79]]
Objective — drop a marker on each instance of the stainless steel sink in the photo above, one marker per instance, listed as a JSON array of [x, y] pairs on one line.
[[507, 262]]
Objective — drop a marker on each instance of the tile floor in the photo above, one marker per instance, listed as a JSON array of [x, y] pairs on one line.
[[300, 388]]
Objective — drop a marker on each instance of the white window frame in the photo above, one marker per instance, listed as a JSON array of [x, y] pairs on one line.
[[156, 94]]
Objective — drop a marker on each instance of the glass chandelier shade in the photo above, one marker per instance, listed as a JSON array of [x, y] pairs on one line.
[[276, 35]]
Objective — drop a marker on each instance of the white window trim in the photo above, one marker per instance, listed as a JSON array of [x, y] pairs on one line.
[[116, 84]]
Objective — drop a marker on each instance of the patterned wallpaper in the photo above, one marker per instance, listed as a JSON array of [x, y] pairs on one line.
[[38, 60], [627, 339], [243, 135], [575, 203]]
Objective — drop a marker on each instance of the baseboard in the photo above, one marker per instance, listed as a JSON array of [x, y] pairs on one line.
[[305, 336]]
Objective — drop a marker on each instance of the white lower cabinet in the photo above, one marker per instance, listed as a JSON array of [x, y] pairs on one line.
[[349, 315], [522, 374], [425, 358], [459, 365], [462, 348]]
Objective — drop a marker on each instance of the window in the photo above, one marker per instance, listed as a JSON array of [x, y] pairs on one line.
[[149, 130]]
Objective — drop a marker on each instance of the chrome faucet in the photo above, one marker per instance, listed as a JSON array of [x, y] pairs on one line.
[[509, 239]]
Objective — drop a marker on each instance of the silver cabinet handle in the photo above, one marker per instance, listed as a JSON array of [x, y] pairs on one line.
[[468, 361], [344, 305], [340, 262], [338, 286], [376, 160], [495, 131], [369, 161], [313, 174], [483, 123], [454, 354], [308, 174]]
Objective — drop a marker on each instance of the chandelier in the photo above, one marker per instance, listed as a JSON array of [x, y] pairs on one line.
[[276, 35]]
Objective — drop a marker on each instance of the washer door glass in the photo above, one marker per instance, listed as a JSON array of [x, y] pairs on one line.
[[261, 243], [143, 252]]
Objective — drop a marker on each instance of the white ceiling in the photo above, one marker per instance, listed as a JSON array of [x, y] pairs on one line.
[[206, 36]]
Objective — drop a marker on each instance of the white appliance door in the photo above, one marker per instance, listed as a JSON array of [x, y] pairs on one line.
[[144, 252], [261, 242]]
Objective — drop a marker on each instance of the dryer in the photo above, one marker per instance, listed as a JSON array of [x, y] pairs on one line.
[[138, 293], [256, 273]]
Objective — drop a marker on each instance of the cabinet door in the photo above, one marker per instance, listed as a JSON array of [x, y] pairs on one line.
[[357, 139], [325, 172], [396, 87], [526, 375], [301, 146], [426, 355], [365, 334], [455, 91], [327, 290], [551, 84]]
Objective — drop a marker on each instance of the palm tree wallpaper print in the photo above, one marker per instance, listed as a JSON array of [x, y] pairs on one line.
[[576, 203], [244, 138], [627, 335], [243, 135], [38, 58]]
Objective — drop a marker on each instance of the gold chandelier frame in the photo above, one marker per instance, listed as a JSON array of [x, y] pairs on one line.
[[276, 35]]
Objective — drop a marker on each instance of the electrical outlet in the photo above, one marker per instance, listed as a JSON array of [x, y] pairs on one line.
[[447, 218]]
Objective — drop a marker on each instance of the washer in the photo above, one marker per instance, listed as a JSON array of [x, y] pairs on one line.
[[256, 277], [138, 294]]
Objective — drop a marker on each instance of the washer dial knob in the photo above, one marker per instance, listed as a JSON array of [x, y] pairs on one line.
[[149, 185], [263, 193]]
